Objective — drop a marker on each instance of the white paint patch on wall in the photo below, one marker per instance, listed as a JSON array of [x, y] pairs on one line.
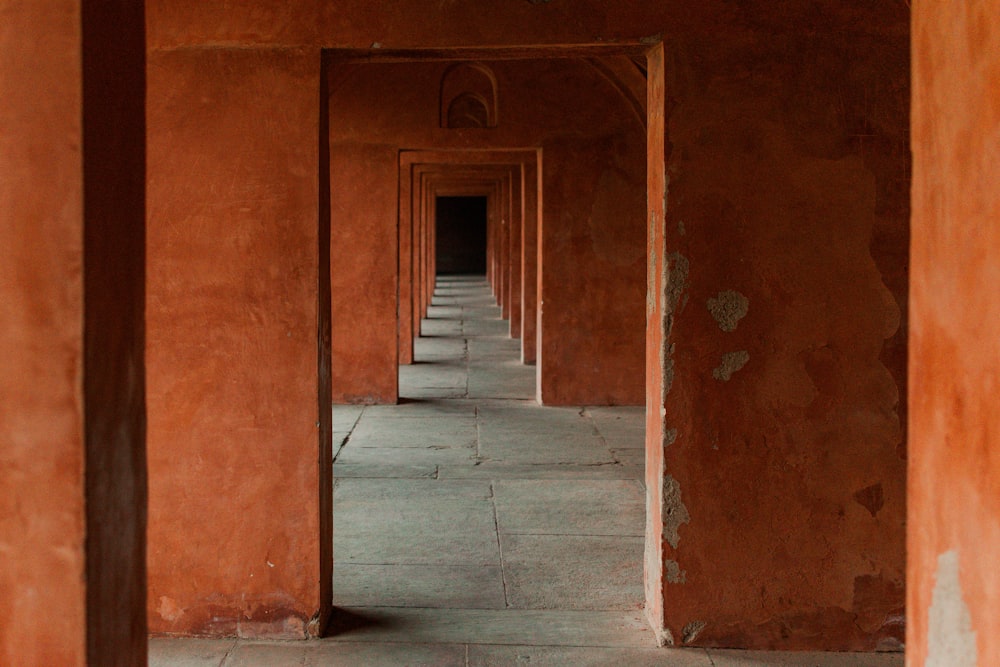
[[951, 641]]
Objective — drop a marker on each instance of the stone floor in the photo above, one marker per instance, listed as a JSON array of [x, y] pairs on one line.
[[473, 527]]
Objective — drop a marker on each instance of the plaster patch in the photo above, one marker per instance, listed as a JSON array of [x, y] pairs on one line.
[[728, 309], [674, 511], [729, 364], [674, 285], [677, 281], [951, 641], [674, 573], [169, 610], [692, 630]]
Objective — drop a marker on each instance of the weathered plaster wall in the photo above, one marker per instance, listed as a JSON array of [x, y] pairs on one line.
[[42, 519], [72, 511], [954, 483], [592, 255], [232, 341], [784, 496], [595, 280], [364, 266], [354, 24]]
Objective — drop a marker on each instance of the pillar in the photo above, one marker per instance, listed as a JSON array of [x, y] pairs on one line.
[[953, 583]]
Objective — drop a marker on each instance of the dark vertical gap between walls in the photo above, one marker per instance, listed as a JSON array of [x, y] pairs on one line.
[[114, 382], [323, 355]]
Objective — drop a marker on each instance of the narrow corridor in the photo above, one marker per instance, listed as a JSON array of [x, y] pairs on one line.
[[475, 527], [470, 496]]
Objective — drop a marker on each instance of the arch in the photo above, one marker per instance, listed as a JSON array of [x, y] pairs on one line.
[[468, 110], [468, 96]]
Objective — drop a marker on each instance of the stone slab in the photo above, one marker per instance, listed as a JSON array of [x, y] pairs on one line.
[[566, 656], [408, 521], [431, 586], [346, 416], [573, 572], [422, 408], [509, 626], [351, 654], [406, 456], [188, 652], [570, 507], [498, 471], [382, 471]]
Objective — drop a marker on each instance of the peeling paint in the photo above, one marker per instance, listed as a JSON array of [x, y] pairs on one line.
[[664, 637], [729, 364], [692, 630], [872, 498], [674, 285], [674, 573], [728, 308], [674, 511], [951, 642], [669, 437]]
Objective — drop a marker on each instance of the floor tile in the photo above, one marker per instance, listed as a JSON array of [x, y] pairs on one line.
[[573, 572], [564, 656], [407, 456], [499, 471], [273, 654], [510, 626], [188, 652], [432, 586], [554, 447], [386, 470], [570, 507], [408, 521], [352, 654]]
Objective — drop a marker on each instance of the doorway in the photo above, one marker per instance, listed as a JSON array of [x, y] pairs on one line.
[[460, 236]]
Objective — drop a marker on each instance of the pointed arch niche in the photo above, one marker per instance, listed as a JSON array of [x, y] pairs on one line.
[[468, 96]]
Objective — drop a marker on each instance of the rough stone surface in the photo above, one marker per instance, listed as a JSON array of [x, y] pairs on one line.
[[729, 364], [728, 308]]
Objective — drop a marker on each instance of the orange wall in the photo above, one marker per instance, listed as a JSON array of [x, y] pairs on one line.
[[954, 483], [232, 341], [42, 521], [784, 501], [364, 267]]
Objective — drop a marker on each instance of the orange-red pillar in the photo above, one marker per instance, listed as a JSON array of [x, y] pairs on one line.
[[953, 582]]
